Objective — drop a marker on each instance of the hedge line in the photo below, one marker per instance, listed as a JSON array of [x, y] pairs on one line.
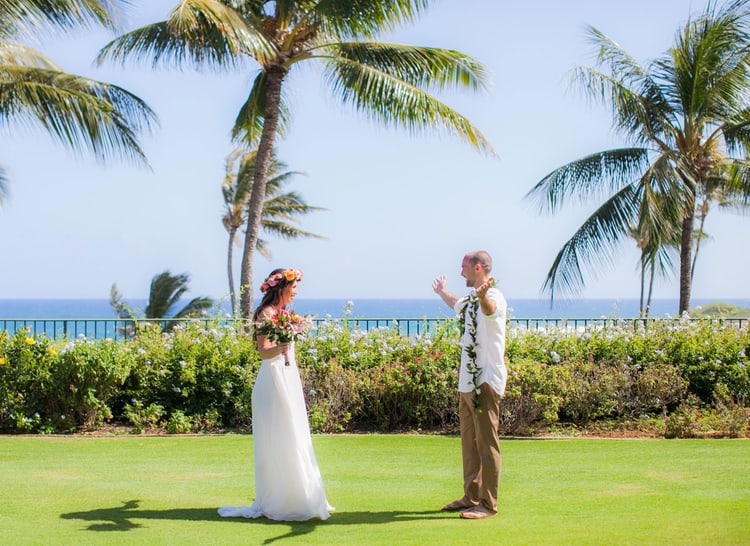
[[672, 378]]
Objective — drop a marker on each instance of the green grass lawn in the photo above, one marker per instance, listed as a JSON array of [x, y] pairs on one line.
[[387, 489]]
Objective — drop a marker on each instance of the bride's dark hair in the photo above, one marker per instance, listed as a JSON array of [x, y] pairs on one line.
[[272, 296]]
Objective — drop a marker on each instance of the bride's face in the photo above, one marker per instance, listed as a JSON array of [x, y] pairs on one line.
[[288, 293]]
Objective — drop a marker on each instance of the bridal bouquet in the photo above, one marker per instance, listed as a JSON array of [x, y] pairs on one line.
[[284, 326]]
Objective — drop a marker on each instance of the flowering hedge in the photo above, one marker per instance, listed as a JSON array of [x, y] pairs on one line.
[[673, 378]]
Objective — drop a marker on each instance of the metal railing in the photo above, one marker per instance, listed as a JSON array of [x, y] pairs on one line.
[[123, 329]]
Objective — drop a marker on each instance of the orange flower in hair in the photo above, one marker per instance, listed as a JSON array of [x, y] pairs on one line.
[[288, 275]]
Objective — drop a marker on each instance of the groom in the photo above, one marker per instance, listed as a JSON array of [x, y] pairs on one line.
[[481, 383]]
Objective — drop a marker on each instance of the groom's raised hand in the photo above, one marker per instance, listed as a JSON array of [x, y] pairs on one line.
[[438, 285]]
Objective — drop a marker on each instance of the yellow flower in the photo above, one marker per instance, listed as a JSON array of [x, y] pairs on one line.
[[51, 352], [2, 361], [30, 341], [290, 275]]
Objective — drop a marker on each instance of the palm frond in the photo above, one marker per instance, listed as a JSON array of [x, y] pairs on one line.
[[593, 245], [641, 98], [287, 205], [263, 249], [737, 134], [423, 67], [715, 39], [204, 34], [738, 182], [363, 18], [238, 181], [121, 309], [12, 53], [166, 290], [248, 126], [34, 17], [625, 68], [276, 182], [394, 102], [659, 210], [287, 231], [660, 260], [589, 177], [81, 113], [195, 307], [640, 115]]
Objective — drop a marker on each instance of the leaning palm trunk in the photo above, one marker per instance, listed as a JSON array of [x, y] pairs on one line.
[[276, 76], [230, 273], [650, 291], [643, 287]]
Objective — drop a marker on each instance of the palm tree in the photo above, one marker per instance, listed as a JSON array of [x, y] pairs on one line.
[[388, 82], [687, 115], [83, 114], [165, 293], [280, 209]]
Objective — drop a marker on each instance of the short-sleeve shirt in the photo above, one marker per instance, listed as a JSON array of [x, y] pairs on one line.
[[490, 345]]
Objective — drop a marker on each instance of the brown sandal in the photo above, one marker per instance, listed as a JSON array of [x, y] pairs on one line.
[[478, 512], [457, 506]]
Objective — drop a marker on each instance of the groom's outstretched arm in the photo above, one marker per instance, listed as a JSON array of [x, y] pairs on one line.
[[438, 286]]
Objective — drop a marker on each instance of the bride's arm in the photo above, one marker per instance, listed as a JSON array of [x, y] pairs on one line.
[[268, 349]]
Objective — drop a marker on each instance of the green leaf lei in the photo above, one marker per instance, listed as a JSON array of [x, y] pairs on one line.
[[470, 308]]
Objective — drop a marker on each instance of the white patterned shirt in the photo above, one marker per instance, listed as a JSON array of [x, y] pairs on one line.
[[490, 345]]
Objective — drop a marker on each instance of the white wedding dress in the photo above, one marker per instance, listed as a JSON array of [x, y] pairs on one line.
[[288, 484]]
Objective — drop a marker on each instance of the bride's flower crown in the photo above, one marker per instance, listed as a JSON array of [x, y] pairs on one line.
[[288, 275]]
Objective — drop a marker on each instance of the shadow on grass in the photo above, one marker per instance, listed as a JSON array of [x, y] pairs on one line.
[[122, 518]]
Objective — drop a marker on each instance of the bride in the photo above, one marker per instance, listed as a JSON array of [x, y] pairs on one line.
[[288, 484]]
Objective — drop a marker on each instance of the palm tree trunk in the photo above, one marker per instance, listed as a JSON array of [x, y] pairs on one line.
[[643, 283], [275, 78], [650, 289], [230, 274], [686, 248]]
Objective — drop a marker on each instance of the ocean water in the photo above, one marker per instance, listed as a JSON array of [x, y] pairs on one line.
[[371, 308]]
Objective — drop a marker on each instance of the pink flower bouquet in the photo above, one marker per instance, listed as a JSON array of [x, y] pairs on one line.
[[284, 326]]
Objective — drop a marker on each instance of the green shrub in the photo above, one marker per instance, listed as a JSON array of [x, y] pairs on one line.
[[709, 352], [533, 396], [332, 395], [195, 370], [694, 420], [683, 377], [26, 382], [49, 389], [143, 417], [88, 376], [179, 423], [656, 387]]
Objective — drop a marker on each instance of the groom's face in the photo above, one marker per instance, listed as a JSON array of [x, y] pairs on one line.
[[468, 272]]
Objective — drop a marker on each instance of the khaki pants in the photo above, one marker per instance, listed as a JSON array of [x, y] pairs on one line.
[[480, 447]]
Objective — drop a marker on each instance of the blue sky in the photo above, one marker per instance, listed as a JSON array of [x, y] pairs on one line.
[[402, 209]]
